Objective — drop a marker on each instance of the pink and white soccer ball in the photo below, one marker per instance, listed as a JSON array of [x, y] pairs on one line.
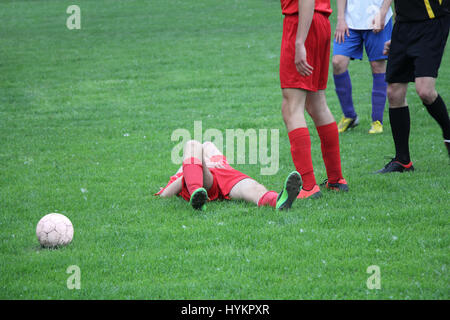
[[54, 230]]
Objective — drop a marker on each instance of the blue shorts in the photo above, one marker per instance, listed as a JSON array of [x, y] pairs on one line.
[[352, 47]]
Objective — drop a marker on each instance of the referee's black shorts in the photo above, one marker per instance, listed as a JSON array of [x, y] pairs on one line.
[[416, 49]]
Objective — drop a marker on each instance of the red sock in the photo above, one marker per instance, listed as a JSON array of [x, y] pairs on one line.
[[301, 156], [329, 138], [268, 198], [193, 174]]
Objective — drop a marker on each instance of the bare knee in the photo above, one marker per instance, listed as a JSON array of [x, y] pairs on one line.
[[396, 95], [340, 64], [206, 144], [312, 113], [293, 108], [193, 148], [427, 95], [259, 188], [258, 191], [193, 144], [378, 66]]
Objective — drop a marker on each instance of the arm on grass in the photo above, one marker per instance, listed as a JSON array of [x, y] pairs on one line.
[[173, 189], [305, 16], [341, 25]]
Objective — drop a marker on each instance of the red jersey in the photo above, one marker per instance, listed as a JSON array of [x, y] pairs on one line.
[[291, 7]]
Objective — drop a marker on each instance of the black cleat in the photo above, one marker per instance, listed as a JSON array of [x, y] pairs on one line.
[[396, 166], [198, 199]]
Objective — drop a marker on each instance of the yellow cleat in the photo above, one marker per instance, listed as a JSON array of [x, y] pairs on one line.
[[377, 127], [347, 123]]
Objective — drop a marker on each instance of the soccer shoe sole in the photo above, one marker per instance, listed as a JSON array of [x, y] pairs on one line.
[[198, 199], [290, 191]]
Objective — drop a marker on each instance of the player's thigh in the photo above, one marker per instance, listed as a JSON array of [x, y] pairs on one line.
[[248, 190], [352, 47], [208, 178], [293, 108], [400, 65], [429, 46], [192, 149], [210, 149], [374, 42], [294, 99]]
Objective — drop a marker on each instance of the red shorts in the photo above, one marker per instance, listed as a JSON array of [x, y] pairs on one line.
[[317, 53], [224, 179]]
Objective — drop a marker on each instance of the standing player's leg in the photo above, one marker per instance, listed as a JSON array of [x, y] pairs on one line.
[[326, 126], [294, 89], [379, 92], [293, 110], [351, 47], [374, 44], [343, 85], [428, 39], [196, 174], [433, 41], [252, 191], [426, 89], [399, 72], [400, 126]]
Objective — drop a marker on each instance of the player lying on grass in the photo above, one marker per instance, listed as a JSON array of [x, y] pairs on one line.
[[206, 175]]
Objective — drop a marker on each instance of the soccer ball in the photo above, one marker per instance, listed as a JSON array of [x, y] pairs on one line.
[[54, 230]]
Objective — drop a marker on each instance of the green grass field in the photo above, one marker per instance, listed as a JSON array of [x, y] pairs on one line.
[[95, 109]]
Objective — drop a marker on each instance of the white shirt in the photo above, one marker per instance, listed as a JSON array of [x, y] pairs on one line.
[[359, 14]]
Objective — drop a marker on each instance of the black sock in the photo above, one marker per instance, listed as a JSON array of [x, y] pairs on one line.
[[400, 126], [439, 112]]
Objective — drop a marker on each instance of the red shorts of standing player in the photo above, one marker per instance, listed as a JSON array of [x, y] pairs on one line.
[[304, 63], [206, 175]]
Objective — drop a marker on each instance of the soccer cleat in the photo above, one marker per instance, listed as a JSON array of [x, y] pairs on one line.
[[347, 123], [290, 191], [341, 185], [396, 166], [377, 127], [198, 199], [314, 193]]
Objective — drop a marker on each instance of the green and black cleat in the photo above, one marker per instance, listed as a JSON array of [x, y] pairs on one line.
[[198, 199], [290, 191]]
